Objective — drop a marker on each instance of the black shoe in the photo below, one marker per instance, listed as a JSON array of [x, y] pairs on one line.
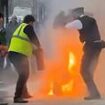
[[20, 100], [92, 97]]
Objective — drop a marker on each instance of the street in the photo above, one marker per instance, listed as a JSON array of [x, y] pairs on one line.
[[8, 87], [63, 102]]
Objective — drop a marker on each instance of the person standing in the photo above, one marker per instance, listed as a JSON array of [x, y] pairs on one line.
[[90, 37], [20, 49], [2, 40], [10, 28], [3, 51]]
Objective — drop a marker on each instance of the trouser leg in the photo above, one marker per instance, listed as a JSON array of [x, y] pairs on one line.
[[25, 92], [88, 66], [1, 63], [22, 67], [23, 77]]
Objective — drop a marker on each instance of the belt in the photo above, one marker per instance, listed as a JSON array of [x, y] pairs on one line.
[[95, 41]]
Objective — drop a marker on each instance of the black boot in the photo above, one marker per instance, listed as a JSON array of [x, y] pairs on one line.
[[92, 97], [20, 100]]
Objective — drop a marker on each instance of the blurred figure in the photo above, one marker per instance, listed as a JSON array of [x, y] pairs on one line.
[[59, 19], [19, 50], [2, 41], [3, 51], [19, 20], [90, 37], [10, 28]]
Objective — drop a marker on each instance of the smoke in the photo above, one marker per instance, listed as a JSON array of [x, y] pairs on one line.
[[56, 42], [59, 42]]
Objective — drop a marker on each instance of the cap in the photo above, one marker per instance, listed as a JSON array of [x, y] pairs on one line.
[[78, 10]]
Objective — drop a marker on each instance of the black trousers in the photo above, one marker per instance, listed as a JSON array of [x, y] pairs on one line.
[[22, 67], [88, 66], [2, 63]]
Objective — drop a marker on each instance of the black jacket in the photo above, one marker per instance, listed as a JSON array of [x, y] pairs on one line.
[[90, 31]]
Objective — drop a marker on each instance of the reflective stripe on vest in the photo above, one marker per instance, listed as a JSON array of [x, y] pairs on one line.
[[20, 42]]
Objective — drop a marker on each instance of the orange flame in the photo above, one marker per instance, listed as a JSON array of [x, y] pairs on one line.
[[71, 61], [51, 93], [69, 86], [65, 63]]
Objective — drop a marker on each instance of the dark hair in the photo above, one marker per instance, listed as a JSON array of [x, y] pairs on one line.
[[28, 18], [1, 15]]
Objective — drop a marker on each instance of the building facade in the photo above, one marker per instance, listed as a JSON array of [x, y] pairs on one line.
[[38, 7], [4, 8]]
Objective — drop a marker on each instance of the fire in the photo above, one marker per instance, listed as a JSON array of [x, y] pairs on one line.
[[61, 76], [69, 86], [71, 61], [51, 93]]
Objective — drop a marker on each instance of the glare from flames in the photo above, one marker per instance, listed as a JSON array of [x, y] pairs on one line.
[[68, 87], [51, 93], [71, 61]]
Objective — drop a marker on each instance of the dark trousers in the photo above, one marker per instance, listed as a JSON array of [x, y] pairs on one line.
[[88, 65], [22, 67], [2, 62]]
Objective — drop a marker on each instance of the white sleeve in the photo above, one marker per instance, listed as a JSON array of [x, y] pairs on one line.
[[75, 24]]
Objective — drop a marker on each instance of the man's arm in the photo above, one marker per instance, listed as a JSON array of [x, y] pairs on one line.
[[38, 53], [76, 24], [32, 35]]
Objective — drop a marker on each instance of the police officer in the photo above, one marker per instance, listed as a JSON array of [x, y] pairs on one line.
[[19, 50], [90, 37]]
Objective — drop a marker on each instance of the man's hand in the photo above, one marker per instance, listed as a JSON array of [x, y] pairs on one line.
[[3, 50]]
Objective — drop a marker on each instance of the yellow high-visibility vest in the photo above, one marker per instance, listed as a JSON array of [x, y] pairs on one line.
[[20, 42]]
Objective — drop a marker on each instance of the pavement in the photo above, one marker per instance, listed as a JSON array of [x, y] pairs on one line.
[[7, 87], [63, 102]]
